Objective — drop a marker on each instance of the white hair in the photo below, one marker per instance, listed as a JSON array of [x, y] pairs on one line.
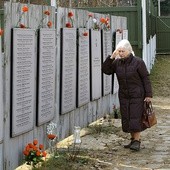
[[125, 44]]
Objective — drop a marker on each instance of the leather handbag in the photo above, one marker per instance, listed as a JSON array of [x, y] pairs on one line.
[[148, 118]]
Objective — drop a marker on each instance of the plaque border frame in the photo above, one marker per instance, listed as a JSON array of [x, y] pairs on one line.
[[38, 79], [12, 135]]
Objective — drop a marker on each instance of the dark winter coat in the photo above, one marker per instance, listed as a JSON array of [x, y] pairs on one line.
[[134, 86]]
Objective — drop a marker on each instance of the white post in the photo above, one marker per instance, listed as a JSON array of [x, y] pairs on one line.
[[53, 3], [159, 8], [144, 51]]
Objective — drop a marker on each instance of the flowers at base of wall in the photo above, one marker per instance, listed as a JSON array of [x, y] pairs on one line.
[[34, 153], [24, 9], [70, 23], [1, 32]]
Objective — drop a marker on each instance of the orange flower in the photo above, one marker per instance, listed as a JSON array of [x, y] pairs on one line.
[[68, 25], [90, 15], [22, 26], [85, 33], [44, 154], [38, 153], [70, 14], [47, 12], [51, 136], [26, 153], [49, 24], [35, 141], [24, 9], [41, 146], [30, 145], [102, 20], [1, 31]]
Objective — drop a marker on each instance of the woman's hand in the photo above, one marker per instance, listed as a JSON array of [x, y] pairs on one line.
[[147, 99], [114, 54]]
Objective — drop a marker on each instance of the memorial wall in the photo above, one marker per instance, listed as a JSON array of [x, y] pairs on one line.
[[81, 79], [1, 95]]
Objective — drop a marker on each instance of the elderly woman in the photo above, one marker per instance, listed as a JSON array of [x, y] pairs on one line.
[[134, 89]]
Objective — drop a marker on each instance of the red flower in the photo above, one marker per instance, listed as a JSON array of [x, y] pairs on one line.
[[24, 9], [51, 136], [47, 12], [49, 24], [1, 31], [26, 153], [35, 141], [85, 33], [41, 146], [102, 20], [68, 25], [22, 26], [90, 15], [44, 153], [70, 14]]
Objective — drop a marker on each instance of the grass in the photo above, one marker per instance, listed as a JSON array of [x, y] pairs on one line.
[[160, 76]]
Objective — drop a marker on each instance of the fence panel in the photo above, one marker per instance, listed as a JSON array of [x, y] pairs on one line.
[[163, 32]]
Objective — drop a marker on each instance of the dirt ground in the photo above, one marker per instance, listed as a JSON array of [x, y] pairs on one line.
[[109, 153], [107, 148]]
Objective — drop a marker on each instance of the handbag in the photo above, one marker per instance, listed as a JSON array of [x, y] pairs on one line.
[[148, 118]]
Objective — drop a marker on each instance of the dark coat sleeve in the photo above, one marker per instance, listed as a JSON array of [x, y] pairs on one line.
[[108, 66], [144, 74]]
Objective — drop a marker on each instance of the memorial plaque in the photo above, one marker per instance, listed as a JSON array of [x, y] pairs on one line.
[[83, 69], [125, 34], [1, 95], [68, 71], [95, 60], [23, 81], [116, 85], [107, 50], [46, 75], [118, 37]]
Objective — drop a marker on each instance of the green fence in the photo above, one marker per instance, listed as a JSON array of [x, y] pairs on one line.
[[163, 35], [134, 21]]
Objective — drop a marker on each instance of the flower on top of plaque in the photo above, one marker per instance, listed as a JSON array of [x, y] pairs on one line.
[[49, 24], [1, 32], [119, 30], [102, 23], [24, 9], [70, 23], [90, 16]]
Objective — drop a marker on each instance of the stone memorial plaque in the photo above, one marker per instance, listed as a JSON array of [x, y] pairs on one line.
[[46, 75], [23, 81], [107, 50], [95, 60], [1, 95], [83, 69], [118, 37], [125, 34], [68, 69], [116, 85]]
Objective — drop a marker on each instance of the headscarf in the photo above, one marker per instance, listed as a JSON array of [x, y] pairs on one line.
[[125, 44]]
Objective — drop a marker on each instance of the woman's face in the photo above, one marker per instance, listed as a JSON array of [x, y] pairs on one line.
[[123, 53]]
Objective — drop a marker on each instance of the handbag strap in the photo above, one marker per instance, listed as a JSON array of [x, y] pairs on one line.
[[148, 107]]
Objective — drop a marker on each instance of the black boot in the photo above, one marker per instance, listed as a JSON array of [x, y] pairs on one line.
[[128, 145], [135, 145]]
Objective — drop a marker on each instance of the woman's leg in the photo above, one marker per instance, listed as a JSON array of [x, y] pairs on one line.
[[135, 135], [135, 145]]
